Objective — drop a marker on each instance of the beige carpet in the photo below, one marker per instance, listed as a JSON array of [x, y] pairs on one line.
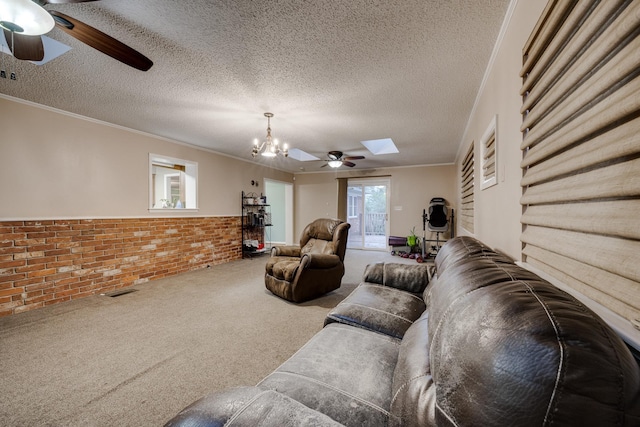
[[139, 358]]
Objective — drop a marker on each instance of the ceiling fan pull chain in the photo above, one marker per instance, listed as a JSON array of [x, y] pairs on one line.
[[13, 73], [3, 73]]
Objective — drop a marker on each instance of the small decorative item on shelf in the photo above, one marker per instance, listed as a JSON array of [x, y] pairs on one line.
[[252, 244]]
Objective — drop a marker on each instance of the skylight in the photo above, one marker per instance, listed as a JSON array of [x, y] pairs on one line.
[[52, 48], [380, 146], [300, 155]]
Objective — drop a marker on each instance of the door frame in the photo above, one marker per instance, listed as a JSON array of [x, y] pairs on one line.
[[288, 207], [372, 182]]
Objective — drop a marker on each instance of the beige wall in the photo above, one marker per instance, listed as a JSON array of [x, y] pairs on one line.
[[411, 190], [55, 165], [61, 166], [497, 209]]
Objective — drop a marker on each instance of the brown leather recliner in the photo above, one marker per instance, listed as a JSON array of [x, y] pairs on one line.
[[301, 273]]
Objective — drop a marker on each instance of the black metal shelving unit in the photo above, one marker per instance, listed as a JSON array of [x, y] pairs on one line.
[[256, 220]]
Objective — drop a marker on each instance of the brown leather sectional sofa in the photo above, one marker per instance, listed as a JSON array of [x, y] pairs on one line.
[[484, 342]]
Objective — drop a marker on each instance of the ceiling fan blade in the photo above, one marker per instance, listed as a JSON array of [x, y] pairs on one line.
[[28, 48], [353, 158], [101, 41], [346, 163], [324, 165], [67, 1]]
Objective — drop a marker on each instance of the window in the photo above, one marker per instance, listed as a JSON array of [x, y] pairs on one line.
[[466, 190], [172, 183], [352, 206], [489, 156]]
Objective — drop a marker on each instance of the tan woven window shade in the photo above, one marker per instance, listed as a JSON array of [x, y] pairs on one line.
[[488, 156], [467, 190], [489, 165], [581, 150]]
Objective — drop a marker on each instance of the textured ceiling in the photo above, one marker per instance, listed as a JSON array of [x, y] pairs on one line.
[[334, 73]]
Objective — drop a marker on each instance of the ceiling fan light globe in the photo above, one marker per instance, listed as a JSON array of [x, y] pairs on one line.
[[30, 17], [335, 163]]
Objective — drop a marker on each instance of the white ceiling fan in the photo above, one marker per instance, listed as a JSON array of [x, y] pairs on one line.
[[24, 23]]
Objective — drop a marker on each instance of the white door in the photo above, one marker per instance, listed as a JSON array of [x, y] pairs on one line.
[[280, 198]]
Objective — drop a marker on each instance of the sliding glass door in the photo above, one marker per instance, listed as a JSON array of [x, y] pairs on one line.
[[368, 213]]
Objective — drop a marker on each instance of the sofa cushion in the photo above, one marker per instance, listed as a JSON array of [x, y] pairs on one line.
[[249, 406], [282, 267], [413, 399], [318, 246], [378, 308], [342, 372]]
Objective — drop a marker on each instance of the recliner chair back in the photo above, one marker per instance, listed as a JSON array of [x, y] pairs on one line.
[[325, 236]]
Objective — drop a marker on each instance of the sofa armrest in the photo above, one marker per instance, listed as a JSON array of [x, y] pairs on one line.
[[289, 250], [249, 406], [215, 409], [319, 261]]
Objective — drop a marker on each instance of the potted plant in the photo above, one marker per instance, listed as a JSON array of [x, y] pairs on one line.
[[412, 239]]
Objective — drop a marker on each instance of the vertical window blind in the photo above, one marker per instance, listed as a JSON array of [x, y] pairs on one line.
[[467, 189], [581, 150]]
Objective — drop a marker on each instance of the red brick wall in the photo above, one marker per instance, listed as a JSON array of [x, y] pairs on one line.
[[47, 262]]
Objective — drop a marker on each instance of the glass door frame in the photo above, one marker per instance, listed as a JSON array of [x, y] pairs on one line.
[[358, 235]]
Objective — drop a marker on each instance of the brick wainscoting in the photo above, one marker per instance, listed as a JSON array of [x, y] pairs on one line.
[[47, 262]]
